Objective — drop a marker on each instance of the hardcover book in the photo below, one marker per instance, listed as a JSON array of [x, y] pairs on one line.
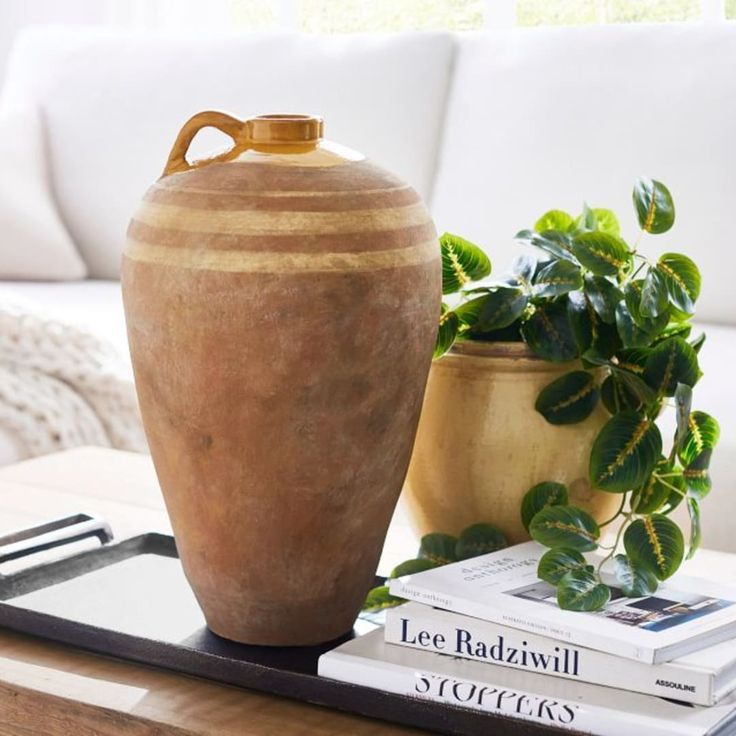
[[704, 677], [553, 701], [682, 616]]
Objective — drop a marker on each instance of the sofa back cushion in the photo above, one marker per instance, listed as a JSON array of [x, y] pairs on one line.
[[543, 118], [34, 244], [114, 101]]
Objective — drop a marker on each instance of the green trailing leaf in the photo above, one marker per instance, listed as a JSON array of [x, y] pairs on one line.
[[565, 526], [633, 293], [698, 342], [624, 453], [656, 544], [523, 269], [696, 532], [675, 483], [556, 278], [673, 329], [479, 539], [618, 396], [548, 332], [586, 221], [554, 220], [700, 434], [669, 363], [607, 221], [654, 493], [636, 385], [500, 308], [635, 581], [583, 319], [630, 333], [438, 547], [568, 399], [633, 360], [682, 279], [447, 332], [654, 296], [592, 335], [412, 567], [601, 253], [654, 206], [697, 475], [581, 590], [540, 496], [683, 405], [556, 563], [462, 262], [603, 295], [378, 599], [467, 312], [554, 242]]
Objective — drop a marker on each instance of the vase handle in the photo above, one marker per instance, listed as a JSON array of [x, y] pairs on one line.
[[229, 125]]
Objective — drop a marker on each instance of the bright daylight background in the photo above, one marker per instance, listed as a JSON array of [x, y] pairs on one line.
[[350, 16]]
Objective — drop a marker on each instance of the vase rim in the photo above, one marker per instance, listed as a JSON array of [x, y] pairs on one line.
[[495, 349]]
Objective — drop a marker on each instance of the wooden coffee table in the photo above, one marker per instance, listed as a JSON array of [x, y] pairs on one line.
[[50, 689], [54, 690]]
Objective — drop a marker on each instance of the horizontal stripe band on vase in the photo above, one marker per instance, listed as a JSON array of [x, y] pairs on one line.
[[285, 242], [239, 261], [255, 222], [282, 201], [162, 186]]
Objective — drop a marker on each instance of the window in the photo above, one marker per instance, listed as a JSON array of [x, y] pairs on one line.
[[578, 12], [380, 16]]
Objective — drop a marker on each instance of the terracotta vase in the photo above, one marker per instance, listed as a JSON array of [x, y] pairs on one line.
[[281, 302], [481, 444]]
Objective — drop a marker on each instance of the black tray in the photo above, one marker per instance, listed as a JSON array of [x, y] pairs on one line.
[[131, 600]]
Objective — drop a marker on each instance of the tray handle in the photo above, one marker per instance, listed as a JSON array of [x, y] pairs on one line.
[[54, 533]]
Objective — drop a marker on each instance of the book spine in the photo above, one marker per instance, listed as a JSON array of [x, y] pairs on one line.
[[461, 636], [422, 684], [524, 622]]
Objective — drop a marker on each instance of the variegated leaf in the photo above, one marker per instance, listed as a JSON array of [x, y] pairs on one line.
[[671, 362], [601, 253], [654, 205], [565, 526], [462, 262], [581, 590], [625, 452], [655, 543], [540, 496], [568, 399], [556, 563]]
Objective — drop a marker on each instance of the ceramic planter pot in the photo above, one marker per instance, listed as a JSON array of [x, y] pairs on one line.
[[481, 445], [281, 302]]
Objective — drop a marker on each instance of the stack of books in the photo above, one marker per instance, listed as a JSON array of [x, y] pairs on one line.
[[487, 634]]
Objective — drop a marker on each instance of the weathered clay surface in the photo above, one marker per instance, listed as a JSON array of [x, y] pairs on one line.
[[481, 444], [281, 319]]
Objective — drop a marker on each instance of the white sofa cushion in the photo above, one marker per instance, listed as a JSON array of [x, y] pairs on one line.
[[33, 241], [542, 118], [114, 102]]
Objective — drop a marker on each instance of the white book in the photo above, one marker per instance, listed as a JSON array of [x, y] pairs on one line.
[[572, 706], [704, 677], [683, 616]]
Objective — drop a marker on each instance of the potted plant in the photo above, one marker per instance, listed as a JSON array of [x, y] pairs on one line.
[[553, 379]]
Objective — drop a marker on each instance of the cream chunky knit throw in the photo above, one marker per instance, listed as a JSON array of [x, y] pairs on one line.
[[61, 387]]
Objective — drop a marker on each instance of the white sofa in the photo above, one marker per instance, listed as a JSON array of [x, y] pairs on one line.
[[492, 129]]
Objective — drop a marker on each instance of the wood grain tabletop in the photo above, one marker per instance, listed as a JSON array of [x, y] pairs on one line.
[[48, 689]]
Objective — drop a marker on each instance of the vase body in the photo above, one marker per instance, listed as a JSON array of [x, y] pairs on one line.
[[481, 444], [281, 302]]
